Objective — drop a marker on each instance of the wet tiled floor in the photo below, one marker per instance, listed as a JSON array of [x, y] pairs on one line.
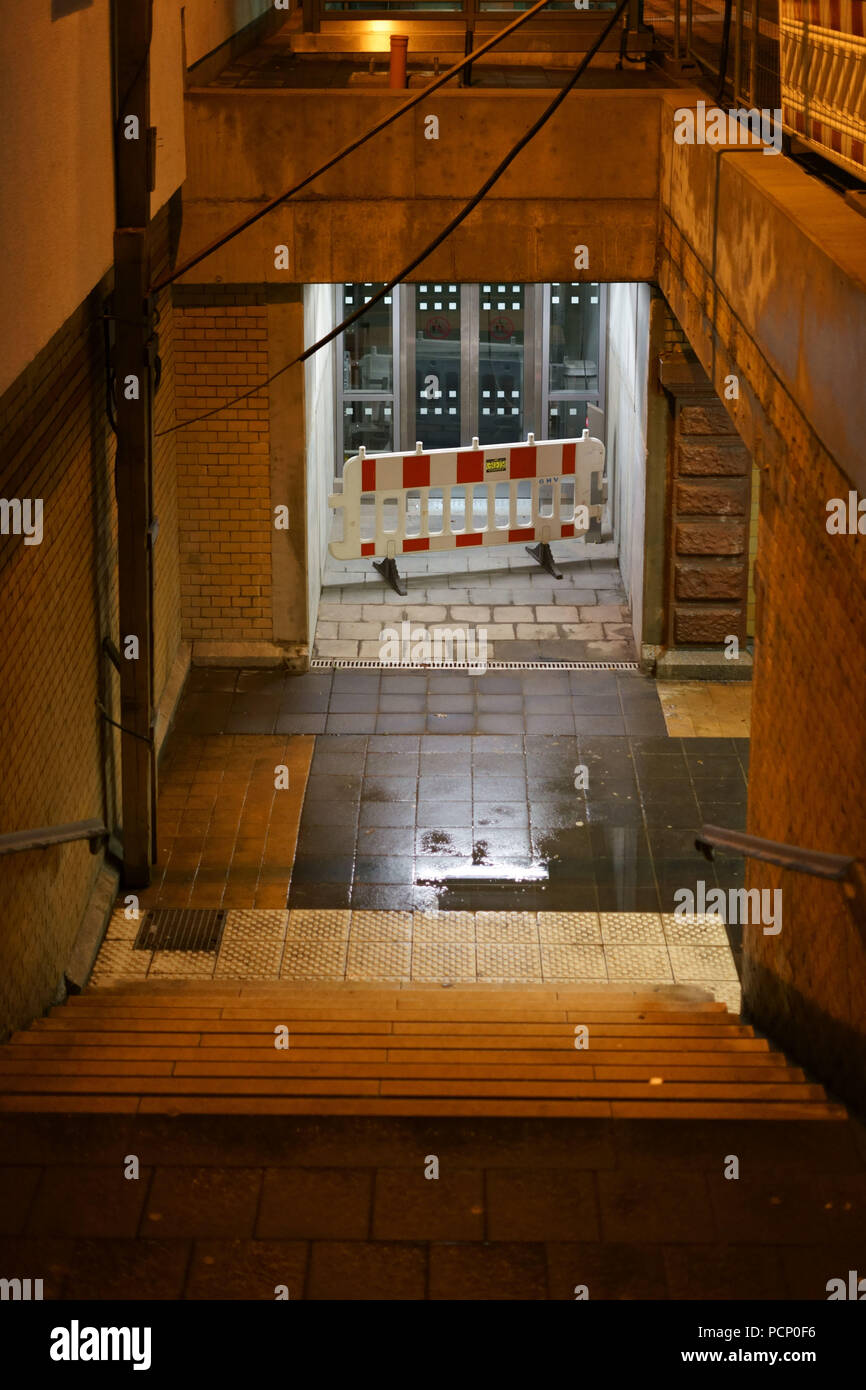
[[439, 793], [404, 813], [394, 702]]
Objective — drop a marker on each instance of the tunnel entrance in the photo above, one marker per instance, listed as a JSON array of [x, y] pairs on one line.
[[439, 364]]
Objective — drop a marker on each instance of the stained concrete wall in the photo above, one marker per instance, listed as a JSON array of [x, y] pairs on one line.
[[626, 419], [320, 315], [375, 210]]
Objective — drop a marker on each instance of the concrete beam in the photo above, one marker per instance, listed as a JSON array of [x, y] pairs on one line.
[[576, 184]]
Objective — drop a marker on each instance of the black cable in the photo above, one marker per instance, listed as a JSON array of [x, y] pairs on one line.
[[170, 276], [433, 245]]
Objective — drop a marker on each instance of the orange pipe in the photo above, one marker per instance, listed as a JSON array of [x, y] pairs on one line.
[[397, 66]]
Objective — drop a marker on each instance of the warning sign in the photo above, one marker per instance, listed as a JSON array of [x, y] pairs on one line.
[[495, 465], [438, 327]]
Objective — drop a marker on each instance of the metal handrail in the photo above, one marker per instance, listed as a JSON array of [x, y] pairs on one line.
[[814, 862], [846, 869], [18, 841]]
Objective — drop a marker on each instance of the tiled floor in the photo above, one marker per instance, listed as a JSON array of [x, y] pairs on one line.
[[338, 1208], [403, 813], [525, 614], [449, 948], [706, 709], [226, 834], [446, 794], [393, 702]]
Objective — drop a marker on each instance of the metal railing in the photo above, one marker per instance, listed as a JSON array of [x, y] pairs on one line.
[[796, 56], [19, 841], [838, 868]]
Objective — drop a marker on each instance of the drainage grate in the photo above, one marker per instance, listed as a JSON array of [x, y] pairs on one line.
[[321, 664], [181, 929]]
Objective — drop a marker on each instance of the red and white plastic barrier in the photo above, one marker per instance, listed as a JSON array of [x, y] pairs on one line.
[[566, 493]]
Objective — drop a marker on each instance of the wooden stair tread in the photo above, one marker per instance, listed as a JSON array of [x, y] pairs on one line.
[[208, 1047], [15, 1055], [257, 1027], [461, 1016], [140, 1084]]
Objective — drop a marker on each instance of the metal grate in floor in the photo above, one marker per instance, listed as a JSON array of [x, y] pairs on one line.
[[181, 929], [325, 664]]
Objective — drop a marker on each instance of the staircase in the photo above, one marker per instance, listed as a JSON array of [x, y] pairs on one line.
[[311, 1168], [169, 1048]]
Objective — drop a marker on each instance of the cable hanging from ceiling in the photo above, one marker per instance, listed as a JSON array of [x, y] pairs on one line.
[[431, 246]]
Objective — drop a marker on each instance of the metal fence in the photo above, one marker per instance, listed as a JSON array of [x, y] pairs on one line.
[[803, 57]]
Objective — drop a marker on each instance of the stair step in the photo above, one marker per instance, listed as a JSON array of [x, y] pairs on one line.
[[208, 1047], [427, 1108], [264, 1028], [16, 1057]]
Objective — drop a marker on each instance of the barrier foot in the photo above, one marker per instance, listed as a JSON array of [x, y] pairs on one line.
[[544, 555], [388, 570]]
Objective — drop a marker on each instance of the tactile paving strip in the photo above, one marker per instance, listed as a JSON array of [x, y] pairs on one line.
[[432, 947]]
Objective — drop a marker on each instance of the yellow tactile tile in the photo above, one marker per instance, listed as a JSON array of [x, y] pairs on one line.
[[570, 961], [378, 960], [699, 930], [122, 928], [451, 960], [198, 965], [252, 945], [451, 927], [702, 962], [508, 962], [117, 958], [644, 927], [313, 924], [568, 927], [633, 960], [514, 927], [380, 926], [313, 960]]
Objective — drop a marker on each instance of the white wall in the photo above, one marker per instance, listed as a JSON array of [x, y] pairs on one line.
[[626, 420], [320, 308]]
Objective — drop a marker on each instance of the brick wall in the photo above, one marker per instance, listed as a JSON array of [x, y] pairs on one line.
[[709, 511], [223, 466], [807, 780], [58, 601]]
